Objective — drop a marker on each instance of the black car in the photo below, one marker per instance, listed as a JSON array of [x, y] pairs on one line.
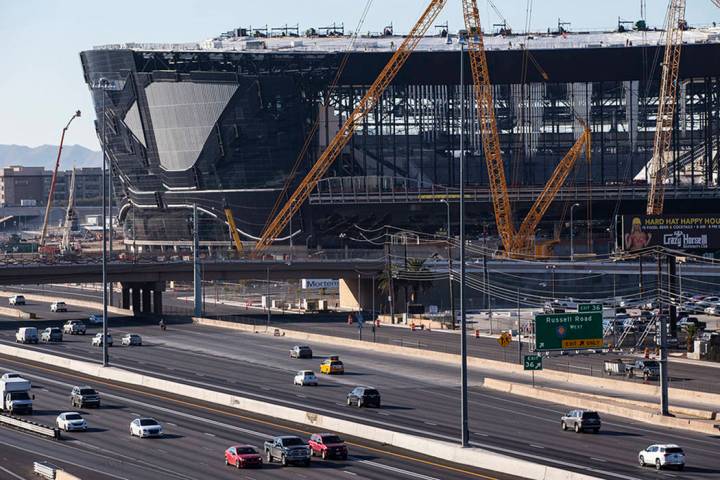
[[301, 351], [364, 397], [84, 396], [581, 420]]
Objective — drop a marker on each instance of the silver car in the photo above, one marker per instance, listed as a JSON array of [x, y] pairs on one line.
[[131, 340]]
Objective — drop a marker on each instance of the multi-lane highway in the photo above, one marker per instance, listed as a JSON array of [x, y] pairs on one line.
[[196, 435], [419, 397]]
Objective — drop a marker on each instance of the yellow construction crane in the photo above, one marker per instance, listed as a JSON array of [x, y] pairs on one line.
[[233, 229], [366, 105], [666, 105]]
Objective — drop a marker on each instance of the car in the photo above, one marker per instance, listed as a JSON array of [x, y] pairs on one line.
[[305, 377], [58, 307], [95, 318], [74, 327], [16, 300], [713, 309], [51, 334], [98, 340], [71, 421], [84, 395], [331, 366], [364, 397], [26, 335], [131, 340], [301, 351], [288, 449], [243, 456], [145, 427], [581, 421], [661, 456], [327, 445]]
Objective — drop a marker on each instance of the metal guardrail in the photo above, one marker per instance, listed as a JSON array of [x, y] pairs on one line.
[[45, 469], [29, 426]]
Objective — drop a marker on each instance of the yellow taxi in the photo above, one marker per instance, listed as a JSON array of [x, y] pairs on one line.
[[331, 366]]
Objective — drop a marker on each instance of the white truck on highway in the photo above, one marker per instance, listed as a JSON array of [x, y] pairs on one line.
[[16, 397]]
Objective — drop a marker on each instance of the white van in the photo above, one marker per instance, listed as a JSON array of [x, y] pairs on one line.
[[26, 335]]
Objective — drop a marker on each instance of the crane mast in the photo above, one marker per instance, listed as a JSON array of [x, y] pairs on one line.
[[666, 106], [366, 105]]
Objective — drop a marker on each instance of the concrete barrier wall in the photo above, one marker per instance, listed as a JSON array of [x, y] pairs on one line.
[[642, 413], [70, 301], [599, 383], [474, 457], [15, 313]]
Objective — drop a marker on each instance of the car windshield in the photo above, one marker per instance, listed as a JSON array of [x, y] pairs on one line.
[[19, 396], [652, 364], [332, 439], [591, 415], [371, 392], [291, 442], [73, 416], [87, 391], [147, 422], [336, 363], [245, 450], [674, 450]]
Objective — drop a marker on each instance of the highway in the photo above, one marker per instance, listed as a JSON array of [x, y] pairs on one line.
[[196, 435], [419, 397]]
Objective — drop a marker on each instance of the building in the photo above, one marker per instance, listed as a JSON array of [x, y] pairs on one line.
[[222, 122], [30, 186]]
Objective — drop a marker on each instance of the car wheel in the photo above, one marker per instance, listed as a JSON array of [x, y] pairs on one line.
[[226, 462], [681, 467], [641, 461], [657, 464], [563, 425], [269, 457], [283, 460], [132, 434], [237, 463], [307, 462], [349, 403], [361, 403], [596, 430], [344, 456], [577, 428], [324, 455]]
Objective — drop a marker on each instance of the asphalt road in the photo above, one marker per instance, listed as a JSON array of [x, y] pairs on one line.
[[196, 435], [419, 397]]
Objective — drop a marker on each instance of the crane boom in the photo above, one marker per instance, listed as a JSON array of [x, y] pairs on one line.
[[364, 107], [488, 124], [526, 231], [233, 229], [666, 105]]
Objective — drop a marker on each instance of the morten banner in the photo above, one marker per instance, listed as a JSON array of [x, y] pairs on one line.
[[678, 232]]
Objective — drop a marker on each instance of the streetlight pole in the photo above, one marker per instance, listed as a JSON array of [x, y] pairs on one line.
[[450, 281], [572, 233], [465, 433], [103, 84], [197, 272]]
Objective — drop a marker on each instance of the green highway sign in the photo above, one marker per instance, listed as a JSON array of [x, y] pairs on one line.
[[568, 331], [590, 307], [533, 362]]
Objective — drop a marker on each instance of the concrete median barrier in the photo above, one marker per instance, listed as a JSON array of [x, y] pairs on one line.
[[599, 383], [633, 410], [474, 457], [68, 300], [16, 313], [29, 426]]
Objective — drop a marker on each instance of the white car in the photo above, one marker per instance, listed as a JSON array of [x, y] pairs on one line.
[[58, 307], [662, 456], [305, 377], [98, 340], [145, 427], [17, 300], [131, 339], [71, 421]]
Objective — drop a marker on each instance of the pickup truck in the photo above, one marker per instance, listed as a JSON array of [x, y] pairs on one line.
[[648, 369], [288, 449], [74, 327]]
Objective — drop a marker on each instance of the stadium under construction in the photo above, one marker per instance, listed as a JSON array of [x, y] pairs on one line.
[[221, 123]]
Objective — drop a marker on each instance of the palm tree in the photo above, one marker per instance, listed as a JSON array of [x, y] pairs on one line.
[[691, 331]]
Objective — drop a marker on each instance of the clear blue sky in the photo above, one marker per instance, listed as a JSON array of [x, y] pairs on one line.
[[41, 81]]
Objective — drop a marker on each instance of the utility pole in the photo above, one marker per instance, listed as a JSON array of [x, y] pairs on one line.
[[672, 290], [450, 279], [267, 296], [465, 433], [391, 283], [664, 407], [520, 361], [197, 274], [105, 360], [641, 277]]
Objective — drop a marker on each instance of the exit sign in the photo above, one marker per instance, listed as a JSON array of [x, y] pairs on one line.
[[589, 307]]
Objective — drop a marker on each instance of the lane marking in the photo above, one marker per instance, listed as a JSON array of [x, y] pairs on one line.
[[598, 459], [252, 420], [537, 446], [210, 434], [12, 474]]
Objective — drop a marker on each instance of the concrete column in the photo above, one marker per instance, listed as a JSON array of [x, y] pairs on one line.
[[355, 295], [146, 305], [125, 296], [136, 299], [157, 302]]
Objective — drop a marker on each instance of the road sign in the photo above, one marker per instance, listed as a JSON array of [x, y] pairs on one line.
[[533, 362], [590, 307], [504, 339], [568, 331]]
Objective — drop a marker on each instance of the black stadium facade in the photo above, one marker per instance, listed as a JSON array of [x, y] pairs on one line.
[[222, 122]]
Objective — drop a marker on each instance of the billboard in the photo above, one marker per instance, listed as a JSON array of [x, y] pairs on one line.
[[314, 283], [677, 232], [561, 331]]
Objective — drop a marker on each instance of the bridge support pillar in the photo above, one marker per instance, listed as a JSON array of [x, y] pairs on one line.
[[157, 302], [357, 293], [125, 297], [136, 299], [146, 305]]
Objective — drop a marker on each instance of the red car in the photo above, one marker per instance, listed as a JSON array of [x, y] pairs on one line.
[[328, 445], [243, 456]]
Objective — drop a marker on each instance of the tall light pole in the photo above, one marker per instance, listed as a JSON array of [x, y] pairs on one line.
[[465, 433], [450, 281], [572, 233], [103, 85]]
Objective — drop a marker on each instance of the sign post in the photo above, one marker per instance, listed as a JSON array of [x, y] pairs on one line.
[[533, 363], [568, 331]]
